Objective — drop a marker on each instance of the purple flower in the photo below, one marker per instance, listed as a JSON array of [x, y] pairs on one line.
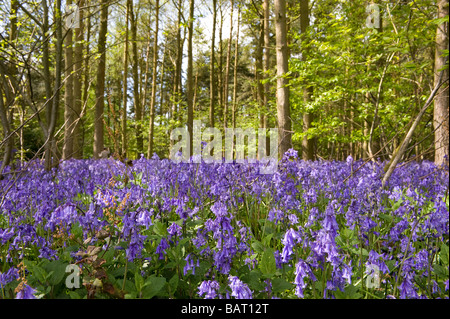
[[144, 219], [10, 275], [239, 290], [161, 249], [302, 271], [291, 238], [209, 289], [174, 230], [25, 292]]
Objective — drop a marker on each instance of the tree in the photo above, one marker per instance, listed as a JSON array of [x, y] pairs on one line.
[[136, 93], [212, 85], [307, 142], [50, 143], [153, 97], [69, 116], [441, 113], [283, 106], [77, 83], [125, 83], [190, 76], [100, 87]]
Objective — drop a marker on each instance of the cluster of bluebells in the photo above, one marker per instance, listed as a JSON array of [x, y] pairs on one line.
[[309, 203]]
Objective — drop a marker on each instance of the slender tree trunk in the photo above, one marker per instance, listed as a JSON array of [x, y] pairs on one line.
[[87, 53], [227, 70], [283, 106], [212, 85], [125, 84], [307, 142], [177, 78], [190, 74], [441, 103], [100, 88], [258, 73], [6, 132], [77, 84], [153, 98], [220, 69], [50, 143], [69, 116], [266, 68], [8, 155], [136, 93], [236, 58]]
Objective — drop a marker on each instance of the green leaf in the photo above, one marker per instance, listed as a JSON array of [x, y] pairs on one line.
[[173, 282], [258, 246], [444, 254], [138, 281], [57, 270], [153, 286], [252, 279], [160, 229], [280, 285], [268, 265], [441, 271]]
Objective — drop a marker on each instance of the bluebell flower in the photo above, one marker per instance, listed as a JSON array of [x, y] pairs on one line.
[[25, 292], [208, 288], [291, 238], [239, 290], [161, 249], [302, 271]]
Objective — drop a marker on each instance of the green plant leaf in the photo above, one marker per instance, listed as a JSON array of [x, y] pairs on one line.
[[153, 286], [268, 265]]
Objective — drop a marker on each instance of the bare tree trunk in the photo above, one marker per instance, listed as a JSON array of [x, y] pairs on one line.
[[125, 84], [77, 84], [177, 78], [236, 58], [307, 142], [283, 107], [100, 88], [258, 74], [212, 86], [266, 68], [136, 98], [190, 84], [50, 143], [69, 115], [153, 98], [227, 70], [441, 112]]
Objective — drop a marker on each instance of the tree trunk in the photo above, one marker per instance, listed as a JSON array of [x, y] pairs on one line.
[[307, 142], [283, 107], [441, 112], [190, 74], [153, 98], [227, 70], [50, 143], [236, 58], [77, 84], [125, 85], [212, 86], [266, 68], [100, 88], [69, 115], [136, 95]]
